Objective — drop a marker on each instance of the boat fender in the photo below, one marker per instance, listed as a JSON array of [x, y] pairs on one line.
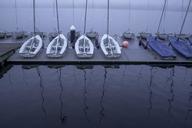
[[125, 44]]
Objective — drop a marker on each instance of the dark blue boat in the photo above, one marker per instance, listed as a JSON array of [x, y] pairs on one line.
[[162, 49], [183, 47]]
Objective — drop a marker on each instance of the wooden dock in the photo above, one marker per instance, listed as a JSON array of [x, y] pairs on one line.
[[6, 50], [134, 55]]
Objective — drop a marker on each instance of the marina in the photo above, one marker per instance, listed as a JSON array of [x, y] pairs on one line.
[[96, 64], [134, 54]]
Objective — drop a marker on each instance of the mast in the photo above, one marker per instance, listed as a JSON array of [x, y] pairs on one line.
[[107, 18], [163, 11], [57, 11], [73, 12], [34, 18], [129, 15], [85, 18], [186, 14], [16, 15]]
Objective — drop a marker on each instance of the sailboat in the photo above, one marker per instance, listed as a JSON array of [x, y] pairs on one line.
[[2, 35], [32, 46], [181, 43], [109, 45], [129, 35], [84, 47], [162, 36], [58, 45], [93, 35]]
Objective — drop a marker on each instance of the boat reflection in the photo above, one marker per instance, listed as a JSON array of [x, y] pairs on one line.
[[150, 107], [172, 95], [62, 116], [85, 94], [102, 109], [42, 91], [4, 70], [189, 108]]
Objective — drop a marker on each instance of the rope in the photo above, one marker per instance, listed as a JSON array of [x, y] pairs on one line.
[[34, 18], [85, 18], [16, 15], [161, 15], [57, 10], [187, 11]]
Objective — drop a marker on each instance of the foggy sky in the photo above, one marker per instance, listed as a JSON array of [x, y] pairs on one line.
[[153, 4]]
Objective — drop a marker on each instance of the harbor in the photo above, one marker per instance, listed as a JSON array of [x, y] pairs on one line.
[[96, 64]]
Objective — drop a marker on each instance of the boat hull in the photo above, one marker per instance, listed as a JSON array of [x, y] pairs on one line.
[[57, 47], [84, 47], [31, 47], [110, 50]]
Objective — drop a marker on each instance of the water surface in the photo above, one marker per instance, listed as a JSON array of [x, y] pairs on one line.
[[97, 97]]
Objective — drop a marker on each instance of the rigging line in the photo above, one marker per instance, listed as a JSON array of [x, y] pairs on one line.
[[57, 10], [34, 18], [93, 9], [164, 17], [16, 15], [85, 18], [165, 2], [186, 14], [73, 12], [147, 19], [182, 8], [129, 15], [107, 19]]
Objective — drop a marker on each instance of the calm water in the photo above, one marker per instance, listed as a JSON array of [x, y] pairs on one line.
[[98, 97]]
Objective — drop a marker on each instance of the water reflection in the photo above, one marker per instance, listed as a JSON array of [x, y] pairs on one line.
[[23, 76], [189, 109], [86, 107], [150, 92], [102, 109], [42, 91], [172, 95], [172, 104], [62, 114]]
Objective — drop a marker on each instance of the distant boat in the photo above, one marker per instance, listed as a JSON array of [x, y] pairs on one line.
[[31, 47], [20, 35], [2, 35], [144, 35], [162, 36], [128, 35], [84, 47], [57, 47], [110, 47]]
